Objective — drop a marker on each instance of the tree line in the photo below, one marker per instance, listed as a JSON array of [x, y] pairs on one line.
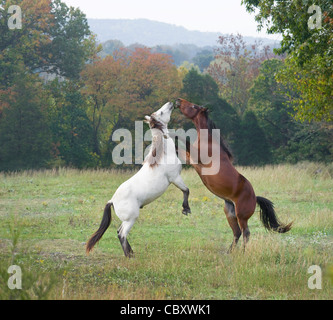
[[61, 102]]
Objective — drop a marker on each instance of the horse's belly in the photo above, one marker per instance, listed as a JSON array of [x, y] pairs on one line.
[[150, 198], [222, 189]]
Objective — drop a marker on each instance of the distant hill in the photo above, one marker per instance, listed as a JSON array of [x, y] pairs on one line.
[[153, 33]]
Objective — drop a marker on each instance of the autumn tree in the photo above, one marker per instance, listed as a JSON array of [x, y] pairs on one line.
[[125, 87], [235, 67], [153, 80], [103, 82]]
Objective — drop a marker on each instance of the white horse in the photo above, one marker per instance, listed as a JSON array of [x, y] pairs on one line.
[[161, 167]]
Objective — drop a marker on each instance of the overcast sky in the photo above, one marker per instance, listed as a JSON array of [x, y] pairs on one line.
[[225, 16]]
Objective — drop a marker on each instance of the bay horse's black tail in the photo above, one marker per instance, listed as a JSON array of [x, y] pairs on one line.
[[106, 220], [268, 216]]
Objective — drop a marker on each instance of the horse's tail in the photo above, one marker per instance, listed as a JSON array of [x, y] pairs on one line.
[[268, 217], [106, 220]]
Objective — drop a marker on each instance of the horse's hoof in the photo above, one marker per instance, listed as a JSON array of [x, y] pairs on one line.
[[130, 254], [186, 211]]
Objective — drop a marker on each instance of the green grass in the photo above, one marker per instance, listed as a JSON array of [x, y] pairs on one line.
[[47, 216]]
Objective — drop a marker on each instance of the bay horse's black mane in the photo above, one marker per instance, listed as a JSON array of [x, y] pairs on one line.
[[211, 125]]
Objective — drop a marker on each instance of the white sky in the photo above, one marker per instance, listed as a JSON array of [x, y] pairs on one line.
[[225, 16]]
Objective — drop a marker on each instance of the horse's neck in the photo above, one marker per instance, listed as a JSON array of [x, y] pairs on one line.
[[157, 133], [200, 123], [156, 152], [163, 147]]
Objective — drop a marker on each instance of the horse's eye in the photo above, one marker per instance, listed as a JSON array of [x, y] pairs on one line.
[[161, 113]]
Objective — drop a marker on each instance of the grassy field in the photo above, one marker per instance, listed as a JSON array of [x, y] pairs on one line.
[[46, 217]]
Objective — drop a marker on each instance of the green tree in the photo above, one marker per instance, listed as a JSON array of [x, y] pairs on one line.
[[54, 38], [203, 90], [309, 65], [310, 142], [251, 148], [23, 45], [72, 44], [268, 101], [25, 136], [199, 88], [289, 139], [72, 133], [309, 87]]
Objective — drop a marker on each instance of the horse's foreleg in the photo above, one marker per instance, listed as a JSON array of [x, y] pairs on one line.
[[186, 207], [179, 183], [123, 231]]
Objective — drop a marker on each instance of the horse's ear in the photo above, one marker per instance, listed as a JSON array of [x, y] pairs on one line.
[[147, 119], [205, 110]]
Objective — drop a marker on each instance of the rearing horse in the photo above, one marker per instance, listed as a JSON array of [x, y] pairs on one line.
[[160, 168], [228, 183]]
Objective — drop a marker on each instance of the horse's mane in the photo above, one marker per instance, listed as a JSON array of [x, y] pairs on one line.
[[211, 125]]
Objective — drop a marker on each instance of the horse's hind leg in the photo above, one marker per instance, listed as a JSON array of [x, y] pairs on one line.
[[245, 207], [244, 211], [245, 231], [123, 231], [179, 183], [229, 210]]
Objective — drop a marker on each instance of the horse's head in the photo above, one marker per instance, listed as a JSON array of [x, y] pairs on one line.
[[189, 109], [164, 113], [160, 118]]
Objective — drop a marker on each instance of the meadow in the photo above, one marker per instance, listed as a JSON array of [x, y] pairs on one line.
[[47, 216]]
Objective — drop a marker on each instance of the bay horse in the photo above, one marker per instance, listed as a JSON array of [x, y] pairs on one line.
[[228, 183], [161, 167]]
